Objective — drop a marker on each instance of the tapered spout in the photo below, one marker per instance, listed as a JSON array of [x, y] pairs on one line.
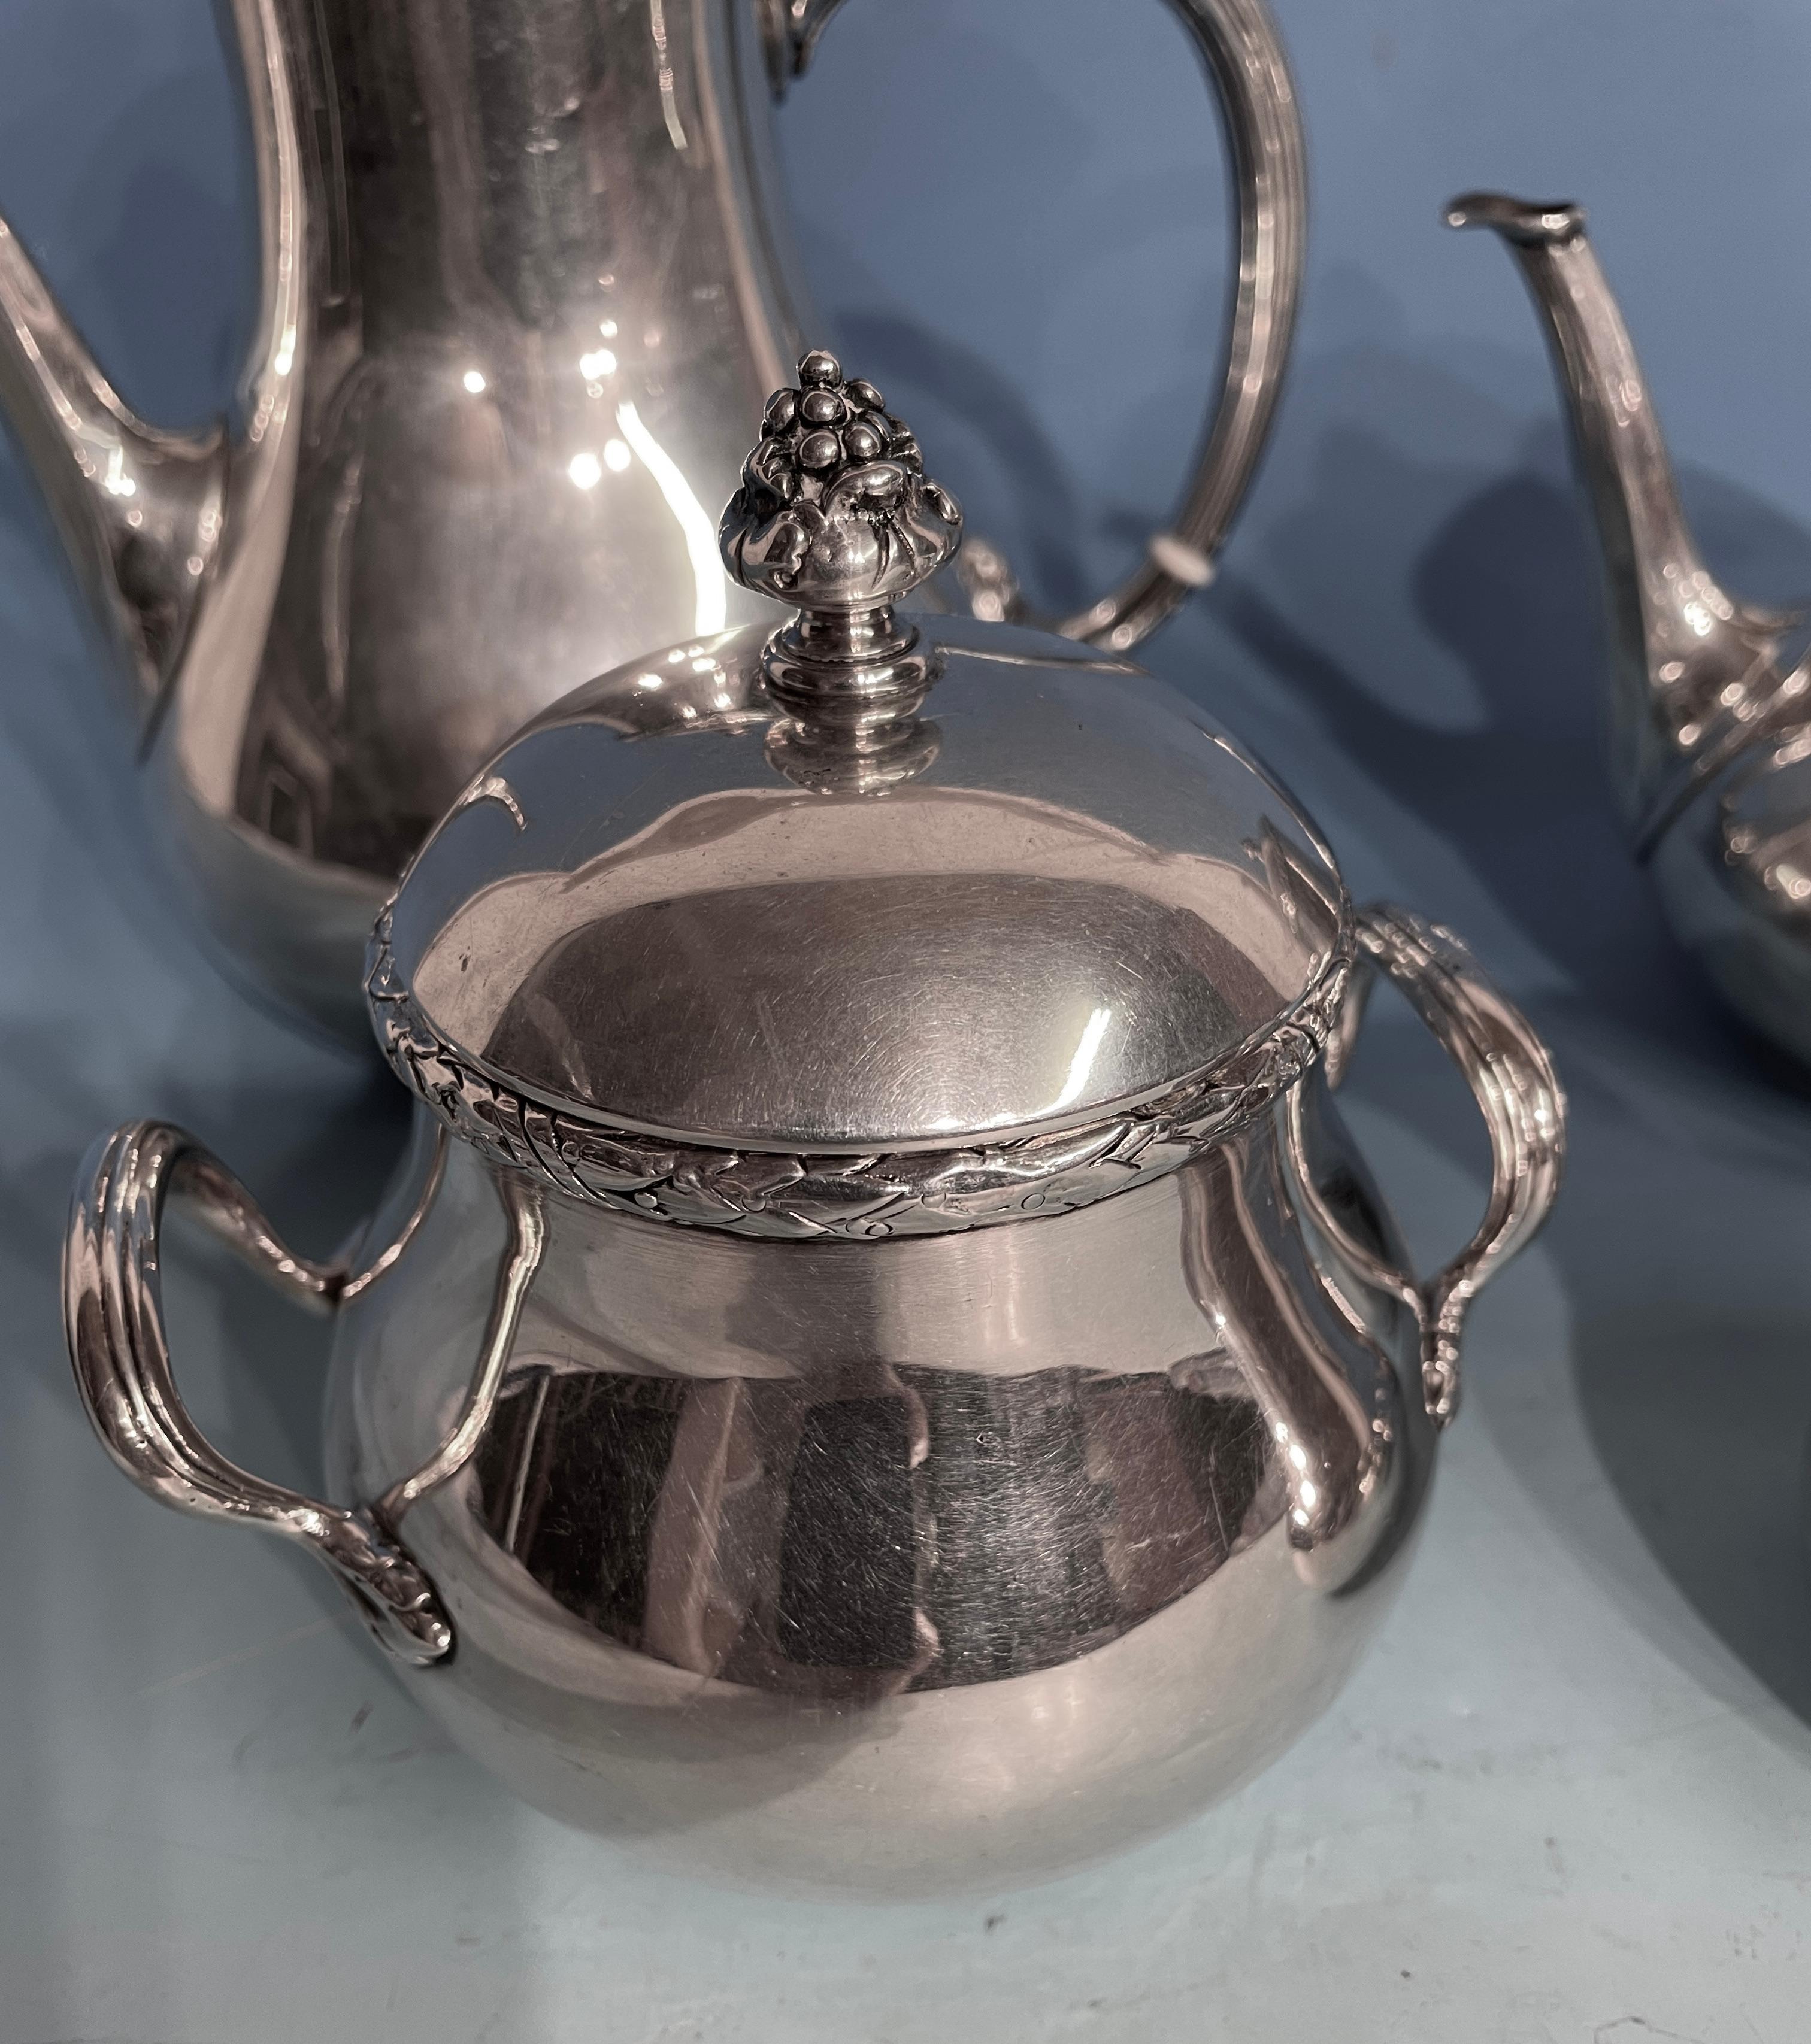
[[138, 510], [1697, 674], [152, 520]]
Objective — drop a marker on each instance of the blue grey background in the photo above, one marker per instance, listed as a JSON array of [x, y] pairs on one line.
[[1570, 1796]]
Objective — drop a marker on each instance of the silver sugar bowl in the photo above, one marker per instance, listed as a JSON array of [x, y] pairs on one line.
[[882, 1368]]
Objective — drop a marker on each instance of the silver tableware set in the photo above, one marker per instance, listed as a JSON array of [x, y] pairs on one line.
[[882, 1367]]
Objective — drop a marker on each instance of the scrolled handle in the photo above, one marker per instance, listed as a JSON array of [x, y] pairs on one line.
[[113, 1321], [1243, 53], [1511, 1077]]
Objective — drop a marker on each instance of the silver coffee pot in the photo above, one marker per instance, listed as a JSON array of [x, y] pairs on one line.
[[882, 1367], [1710, 725], [523, 279]]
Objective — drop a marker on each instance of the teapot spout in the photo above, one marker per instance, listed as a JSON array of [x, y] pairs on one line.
[[1697, 674], [176, 538], [138, 509]]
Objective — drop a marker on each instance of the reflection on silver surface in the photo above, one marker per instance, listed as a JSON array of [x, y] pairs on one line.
[[1710, 724], [522, 284], [921, 1564]]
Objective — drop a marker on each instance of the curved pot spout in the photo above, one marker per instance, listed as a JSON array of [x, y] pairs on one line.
[[1697, 674], [165, 530], [138, 510]]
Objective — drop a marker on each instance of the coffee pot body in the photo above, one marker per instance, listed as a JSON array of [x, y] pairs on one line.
[[525, 275]]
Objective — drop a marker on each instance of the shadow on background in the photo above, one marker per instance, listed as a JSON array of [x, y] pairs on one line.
[[1699, 1413], [1690, 1327], [1681, 1231], [1508, 586]]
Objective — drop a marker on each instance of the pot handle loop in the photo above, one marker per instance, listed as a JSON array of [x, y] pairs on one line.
[[1244, 54], [1511, 1077], [113, 1321]]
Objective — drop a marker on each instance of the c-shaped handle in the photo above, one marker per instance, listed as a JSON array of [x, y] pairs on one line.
[[1511, 1077], [113, 1320], [1244, 54]]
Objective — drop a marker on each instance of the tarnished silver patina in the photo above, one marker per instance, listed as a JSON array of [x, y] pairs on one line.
[[524, 281], [1710, 715], [883, 1368]]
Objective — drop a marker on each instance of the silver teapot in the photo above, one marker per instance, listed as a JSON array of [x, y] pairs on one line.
[[523, 280], [1710, 725], [881, 1368]]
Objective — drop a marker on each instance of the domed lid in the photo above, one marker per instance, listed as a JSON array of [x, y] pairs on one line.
[[868, 926]]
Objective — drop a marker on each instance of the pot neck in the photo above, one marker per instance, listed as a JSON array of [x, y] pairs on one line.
[[532, 166]]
